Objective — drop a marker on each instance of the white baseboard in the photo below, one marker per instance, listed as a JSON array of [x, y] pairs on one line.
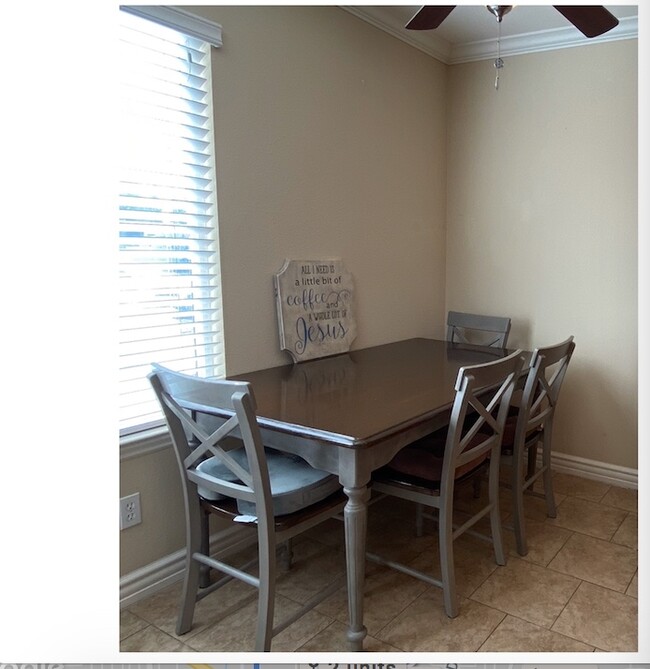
[[623, 477], [151, 578], [156, 576]]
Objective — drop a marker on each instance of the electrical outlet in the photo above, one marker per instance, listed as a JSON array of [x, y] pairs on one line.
[[130, 511]]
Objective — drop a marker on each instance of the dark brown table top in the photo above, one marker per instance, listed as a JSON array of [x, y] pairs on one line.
[[359, 398]]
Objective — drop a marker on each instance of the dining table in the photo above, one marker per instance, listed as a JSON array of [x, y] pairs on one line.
[[349, 414]]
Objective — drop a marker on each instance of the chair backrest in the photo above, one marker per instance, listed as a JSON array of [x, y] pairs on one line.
[[539, 398], [479, 412], [477, 329], [181, 397]]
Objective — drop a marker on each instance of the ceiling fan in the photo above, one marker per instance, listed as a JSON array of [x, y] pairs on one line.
[[590, 20]]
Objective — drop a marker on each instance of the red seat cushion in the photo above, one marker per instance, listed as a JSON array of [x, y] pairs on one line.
[[423, 460], [509, 431]]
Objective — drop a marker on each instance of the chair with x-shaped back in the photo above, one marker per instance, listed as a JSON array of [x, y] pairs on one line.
[[530, 424], [476, 329], [268, 496], [427, 471]]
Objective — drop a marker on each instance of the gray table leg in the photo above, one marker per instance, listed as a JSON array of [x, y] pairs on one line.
[[356, 517]]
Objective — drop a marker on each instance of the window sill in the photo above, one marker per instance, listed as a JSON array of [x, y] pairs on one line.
[[144, 443]]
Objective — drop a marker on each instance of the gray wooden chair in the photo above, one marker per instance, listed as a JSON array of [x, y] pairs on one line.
[[428, 471], [531, 424], [226, 471], [477, 329]]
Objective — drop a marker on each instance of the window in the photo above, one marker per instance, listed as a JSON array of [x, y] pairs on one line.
[[170, 294]]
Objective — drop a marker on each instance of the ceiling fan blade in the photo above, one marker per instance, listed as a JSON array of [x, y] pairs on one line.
[[590, 20], [428, 18]]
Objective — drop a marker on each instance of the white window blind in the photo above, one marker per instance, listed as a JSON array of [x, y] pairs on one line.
[[170, 293]]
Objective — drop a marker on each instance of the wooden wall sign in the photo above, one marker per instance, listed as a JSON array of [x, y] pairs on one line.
[[314, 300]]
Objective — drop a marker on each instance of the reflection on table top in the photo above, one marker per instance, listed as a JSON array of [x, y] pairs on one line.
[[358, 398]]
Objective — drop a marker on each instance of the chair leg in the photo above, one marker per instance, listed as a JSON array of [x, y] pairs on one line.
[[495, 517], [266, 595], [194, 540], [419, 519], [188, 596], [548, 475], [519, 521], [448, 576], [532, 463], [204, 580], [285, 555]]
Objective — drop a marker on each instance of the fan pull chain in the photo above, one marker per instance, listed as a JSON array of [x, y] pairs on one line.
[[498, 63]]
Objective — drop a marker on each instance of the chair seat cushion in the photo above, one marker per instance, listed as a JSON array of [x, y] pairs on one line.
[[509, 433], [509, 430], [423, 460], [295, 484]]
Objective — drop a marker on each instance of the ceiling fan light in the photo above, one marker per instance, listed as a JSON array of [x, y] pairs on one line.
[[499, 11]]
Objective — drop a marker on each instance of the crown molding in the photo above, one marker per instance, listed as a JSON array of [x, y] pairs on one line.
[[179, 19], [544, 40], [427, 42]]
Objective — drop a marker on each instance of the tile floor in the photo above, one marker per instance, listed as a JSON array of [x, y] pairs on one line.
[[576, 590]]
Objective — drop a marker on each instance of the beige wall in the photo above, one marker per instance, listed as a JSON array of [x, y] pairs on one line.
[[335, 139], [330, 142], [542, 223], [162, 531]]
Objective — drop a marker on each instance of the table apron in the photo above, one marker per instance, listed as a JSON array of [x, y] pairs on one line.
[[352, 464]]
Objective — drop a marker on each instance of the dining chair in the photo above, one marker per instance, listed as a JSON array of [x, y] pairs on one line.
[[268, 497], [428, 471], [476, 329], [530, 424]]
